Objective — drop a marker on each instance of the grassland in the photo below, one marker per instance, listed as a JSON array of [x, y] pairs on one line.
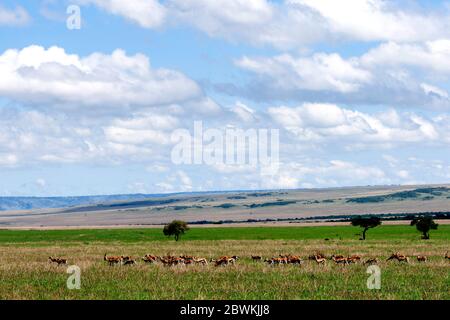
[[25, 272]]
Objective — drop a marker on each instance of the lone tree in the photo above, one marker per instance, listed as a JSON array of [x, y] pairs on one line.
[[424, 225], [176, 228], [366, 223]]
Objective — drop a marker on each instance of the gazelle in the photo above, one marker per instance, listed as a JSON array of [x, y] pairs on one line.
[[129, 262], [294, 260], [422, 258], [59, 261], [399, 257], [318, 257], [371, 261], [221, 261], [171, 261], [339, 259], [224, 260], [201, 260], [320, 260], [279, 260], [148, 258], [355, 257], [112, 259]]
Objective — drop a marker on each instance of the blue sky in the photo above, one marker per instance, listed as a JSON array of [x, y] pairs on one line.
[[359, 92]]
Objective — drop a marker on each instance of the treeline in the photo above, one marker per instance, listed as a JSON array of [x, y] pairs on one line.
[[336, 218]]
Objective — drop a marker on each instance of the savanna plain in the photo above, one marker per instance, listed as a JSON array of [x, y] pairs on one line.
[[26, 273]]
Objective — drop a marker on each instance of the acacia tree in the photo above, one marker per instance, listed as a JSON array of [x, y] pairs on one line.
[[424, 225], [176, 228], [366, 223]]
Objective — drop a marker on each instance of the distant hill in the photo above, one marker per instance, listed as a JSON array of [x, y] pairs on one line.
[[28, 203], [218, 207]]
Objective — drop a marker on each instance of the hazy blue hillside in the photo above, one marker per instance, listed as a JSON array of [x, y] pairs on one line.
[[27, 203]]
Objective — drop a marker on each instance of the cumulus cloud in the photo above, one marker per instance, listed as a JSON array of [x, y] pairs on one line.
[[434, 91], [243, 112], [178, 181], [328, 122], [53, 77], [376, 20], [319, 72], [213, 17], [141, 129], [313, 173], [340, 169], [390, 73], [433, 56], [236, 20], [289, 23], [14, 17], [135, 136], [31, 137], [145, 13], [49, 96], [284, 180]]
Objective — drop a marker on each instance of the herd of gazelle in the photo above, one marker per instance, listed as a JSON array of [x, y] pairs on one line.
[[226, 260]]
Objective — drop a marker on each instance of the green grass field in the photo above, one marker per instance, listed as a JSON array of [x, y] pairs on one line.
[[25, 272], [393, 232]]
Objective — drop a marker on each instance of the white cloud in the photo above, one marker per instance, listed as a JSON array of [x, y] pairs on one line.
[[343, 168], [31, 137], [403, 174], [288, 23], [212, 16], [165, 187], [392, 161], [391, 73], [185, 179], [433, 90], [157, 168], [176, 182], [244, 112], [224, 168], [432, 56], [16, 17], [375, 20], [148, 120], [319, 72], [53, 77], [316, 115], [231, 19], [41, 183], [8, 159], [284, 180], [146, 13], [132, 136], [313, 173], [425, 127], [316, 122]]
